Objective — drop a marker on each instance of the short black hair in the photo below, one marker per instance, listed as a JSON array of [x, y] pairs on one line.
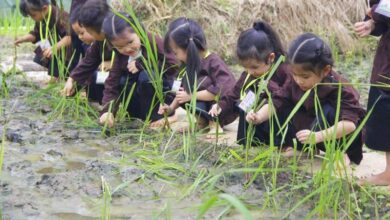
[[92, 14]]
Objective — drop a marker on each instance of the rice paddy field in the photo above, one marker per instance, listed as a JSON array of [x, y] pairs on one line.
[[57, 162]]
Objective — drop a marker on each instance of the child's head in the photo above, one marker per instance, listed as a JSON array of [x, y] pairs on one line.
[[121, 34], [83, 35], [258, 47], [91, 17], [186, 39], [311, 60], [36, 9]]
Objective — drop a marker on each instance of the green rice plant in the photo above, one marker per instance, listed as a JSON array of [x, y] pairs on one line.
[[106, 203], [228, 200]]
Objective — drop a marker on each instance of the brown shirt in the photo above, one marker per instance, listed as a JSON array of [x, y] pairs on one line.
[[215, 75], [119, 69], [381, 67], [228, 101], [90, 62], [289, 95]]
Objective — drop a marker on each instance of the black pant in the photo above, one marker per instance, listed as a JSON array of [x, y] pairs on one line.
[[141, 102], [354, 152], [95, 91], [261, 131]]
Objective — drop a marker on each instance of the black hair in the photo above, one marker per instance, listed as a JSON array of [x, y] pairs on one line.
[[115, 24], [258, 42], [26, 6], [188, 35], [311, 52], [74, 16], [92, 14]]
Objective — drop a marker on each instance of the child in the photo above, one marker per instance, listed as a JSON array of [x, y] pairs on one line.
[[86, 74], [258, 49], [377, 132], [128, 66], [51, 29], [311, 62], [188, 42], [77, 44]]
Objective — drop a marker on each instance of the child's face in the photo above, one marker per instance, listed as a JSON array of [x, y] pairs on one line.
[[180, 53], [39, 15], [127, 43], [307, 79], [97, 36], [83, 35], [255, 67]]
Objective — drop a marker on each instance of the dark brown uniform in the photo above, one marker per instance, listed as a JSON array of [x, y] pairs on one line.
[[377, 132], [216, 78], [85, 73], [286, 98], [229, 102], [142, 97], [58, 28]]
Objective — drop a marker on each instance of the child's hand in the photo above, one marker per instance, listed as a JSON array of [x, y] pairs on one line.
[[215, 110], [68, 88], [369, 12], [364, 28], [307, 137], [108, 118], [182, 96], [252, 117], [105, 66], [165, 109], [132, 67], [18, 41], [47, 53]]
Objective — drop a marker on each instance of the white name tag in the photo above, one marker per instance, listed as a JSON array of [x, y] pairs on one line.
[[176, 85], [44, 44], [248, 101], [383, 8], [101, 77]]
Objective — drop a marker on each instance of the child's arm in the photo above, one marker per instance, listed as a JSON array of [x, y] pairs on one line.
[[168, 109], [65, 41], [205, 95], [25, 38], [342, 128], [260, 116]]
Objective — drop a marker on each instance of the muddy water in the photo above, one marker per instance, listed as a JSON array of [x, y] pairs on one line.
[[54, 171]]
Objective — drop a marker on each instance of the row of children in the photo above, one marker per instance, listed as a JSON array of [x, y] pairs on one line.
[[328, 108]]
